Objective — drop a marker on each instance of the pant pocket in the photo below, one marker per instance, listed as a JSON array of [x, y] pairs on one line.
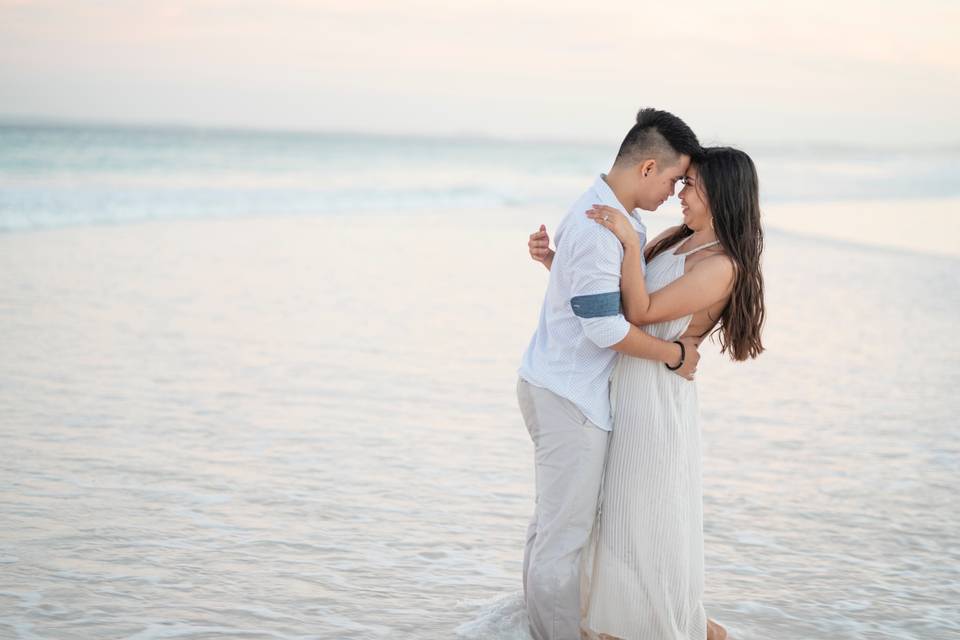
[[573, 411], [525, 401]]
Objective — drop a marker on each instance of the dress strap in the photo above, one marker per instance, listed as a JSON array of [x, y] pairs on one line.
[[694, 250]]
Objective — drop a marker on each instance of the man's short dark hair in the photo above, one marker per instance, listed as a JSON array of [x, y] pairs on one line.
[[659, 135]]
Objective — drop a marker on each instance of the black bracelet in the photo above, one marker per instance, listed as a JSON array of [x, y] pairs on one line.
[[683, 356]]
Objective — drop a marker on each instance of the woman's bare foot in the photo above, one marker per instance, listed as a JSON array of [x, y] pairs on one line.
[[715, 631]]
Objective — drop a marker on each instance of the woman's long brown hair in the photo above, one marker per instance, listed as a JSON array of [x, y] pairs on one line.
[[728, 181]]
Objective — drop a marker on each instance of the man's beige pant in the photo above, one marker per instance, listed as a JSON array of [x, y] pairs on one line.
[[569, 454]]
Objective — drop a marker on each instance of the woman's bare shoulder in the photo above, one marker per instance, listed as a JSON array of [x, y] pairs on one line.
[[718, 265]]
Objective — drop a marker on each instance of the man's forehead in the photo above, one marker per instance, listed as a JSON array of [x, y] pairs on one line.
[[678, 170]]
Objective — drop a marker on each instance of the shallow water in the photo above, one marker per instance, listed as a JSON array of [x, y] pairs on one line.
[[305, 428], [55, 175]]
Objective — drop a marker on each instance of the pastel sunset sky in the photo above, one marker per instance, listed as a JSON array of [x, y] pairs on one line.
[[846, 72]]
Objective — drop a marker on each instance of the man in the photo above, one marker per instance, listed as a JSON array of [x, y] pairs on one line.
[[563, 390]]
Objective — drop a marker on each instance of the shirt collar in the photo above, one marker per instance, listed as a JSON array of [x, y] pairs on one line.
[[609, 198]]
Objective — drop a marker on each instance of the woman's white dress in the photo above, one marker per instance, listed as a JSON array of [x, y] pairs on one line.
[[643, 569]]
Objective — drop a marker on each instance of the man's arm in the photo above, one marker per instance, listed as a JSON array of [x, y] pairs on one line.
[[705, 284], [595, 300], [640, 344]]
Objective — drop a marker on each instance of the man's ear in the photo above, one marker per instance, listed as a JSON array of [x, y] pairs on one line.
[[648, 168]]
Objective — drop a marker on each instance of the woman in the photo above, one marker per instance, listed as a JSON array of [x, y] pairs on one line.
[[643, 571]]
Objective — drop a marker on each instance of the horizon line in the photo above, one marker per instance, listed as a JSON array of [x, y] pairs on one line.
[[15, 120]]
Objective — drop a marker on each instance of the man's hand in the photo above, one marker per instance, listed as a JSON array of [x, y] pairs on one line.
[[539, 246], [691, 344]]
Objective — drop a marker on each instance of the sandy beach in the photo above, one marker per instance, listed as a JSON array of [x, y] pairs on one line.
[[924, 225]]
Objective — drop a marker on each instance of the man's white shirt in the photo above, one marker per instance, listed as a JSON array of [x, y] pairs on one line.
[[581, 315]]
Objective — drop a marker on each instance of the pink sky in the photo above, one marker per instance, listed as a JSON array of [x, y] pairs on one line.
[[855, 71]]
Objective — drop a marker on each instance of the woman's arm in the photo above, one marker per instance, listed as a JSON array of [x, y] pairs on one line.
[[707, 283], [633, 289]]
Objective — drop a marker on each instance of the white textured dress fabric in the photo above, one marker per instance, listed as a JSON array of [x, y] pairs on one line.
[[642, 574]]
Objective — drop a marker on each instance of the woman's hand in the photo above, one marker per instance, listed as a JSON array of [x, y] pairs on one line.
[[539, 247], [614, 220]]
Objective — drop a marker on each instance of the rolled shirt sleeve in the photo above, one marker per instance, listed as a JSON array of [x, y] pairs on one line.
[[595, 285]]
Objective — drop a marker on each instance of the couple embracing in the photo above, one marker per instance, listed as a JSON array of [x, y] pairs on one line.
[[607, 387]]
